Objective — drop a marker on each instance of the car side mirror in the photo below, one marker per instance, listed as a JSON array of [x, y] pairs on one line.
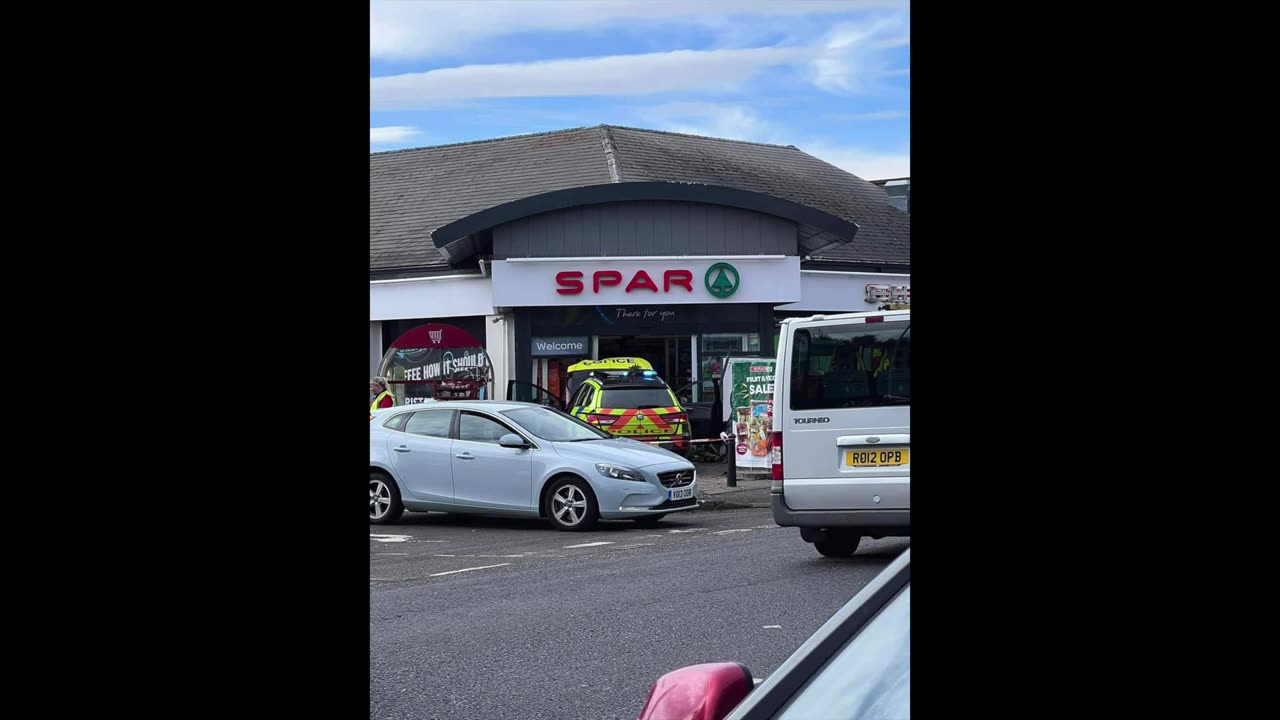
[[512, 440], [709, 691]]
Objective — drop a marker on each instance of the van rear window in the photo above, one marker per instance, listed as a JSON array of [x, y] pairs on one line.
[[848, 366]]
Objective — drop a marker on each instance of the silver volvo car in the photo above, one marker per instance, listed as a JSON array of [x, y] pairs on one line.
[[519, 460]]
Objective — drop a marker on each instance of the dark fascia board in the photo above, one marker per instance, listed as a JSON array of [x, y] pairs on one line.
[[407, 273], [855, 266], [452, 239]]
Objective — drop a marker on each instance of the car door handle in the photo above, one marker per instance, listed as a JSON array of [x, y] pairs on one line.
[[465, 456], [402, 448]]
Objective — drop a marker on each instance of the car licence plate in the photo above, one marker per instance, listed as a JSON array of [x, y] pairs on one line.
[[880, 457], [680, 494]]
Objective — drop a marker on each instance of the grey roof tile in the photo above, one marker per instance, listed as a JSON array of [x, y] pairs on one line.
[[413, 192]]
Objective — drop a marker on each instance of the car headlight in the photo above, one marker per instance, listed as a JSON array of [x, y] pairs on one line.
[[619, 473]]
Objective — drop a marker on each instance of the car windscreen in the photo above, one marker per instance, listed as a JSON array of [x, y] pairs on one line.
[[553, 425], [636, 397]]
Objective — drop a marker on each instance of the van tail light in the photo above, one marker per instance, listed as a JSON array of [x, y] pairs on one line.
[[775, 450]]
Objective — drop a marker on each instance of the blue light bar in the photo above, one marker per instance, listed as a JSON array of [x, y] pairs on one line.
[[648, 373]]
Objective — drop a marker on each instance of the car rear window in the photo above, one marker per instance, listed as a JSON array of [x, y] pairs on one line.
[[847, 366], [636, 397]]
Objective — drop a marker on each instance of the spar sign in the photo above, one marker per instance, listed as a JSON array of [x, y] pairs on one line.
[[748, 384]]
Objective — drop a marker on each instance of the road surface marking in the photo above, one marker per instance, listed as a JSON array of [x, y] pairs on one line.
[[634, 545], [590, 544], [725, 532], [685, 531], [444, 556], [496, 556], [390, 538], [766, 627], [391, 553], [482, 567]]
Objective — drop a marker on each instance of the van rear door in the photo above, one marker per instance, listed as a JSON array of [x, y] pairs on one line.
[[847, 431]]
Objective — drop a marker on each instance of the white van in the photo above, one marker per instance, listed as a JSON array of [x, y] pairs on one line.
[[841, 438]]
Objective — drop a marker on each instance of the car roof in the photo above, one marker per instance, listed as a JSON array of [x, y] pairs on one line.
[[490, 405]]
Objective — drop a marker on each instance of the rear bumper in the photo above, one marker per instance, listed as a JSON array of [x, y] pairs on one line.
[[886, 522]]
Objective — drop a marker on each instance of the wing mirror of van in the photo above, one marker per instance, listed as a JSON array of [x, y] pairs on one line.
[[709, 691], [512, 440]]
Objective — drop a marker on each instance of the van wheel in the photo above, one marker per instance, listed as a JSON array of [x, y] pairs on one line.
[[836, 543]]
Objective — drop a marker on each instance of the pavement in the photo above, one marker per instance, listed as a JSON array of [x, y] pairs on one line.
[[714, 493]]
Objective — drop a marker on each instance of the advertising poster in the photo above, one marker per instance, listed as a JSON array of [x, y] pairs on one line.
[[750, 381], [436, 361]]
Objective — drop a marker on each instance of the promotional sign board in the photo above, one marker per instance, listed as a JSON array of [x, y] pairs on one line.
[[436, 361], [748, 392]]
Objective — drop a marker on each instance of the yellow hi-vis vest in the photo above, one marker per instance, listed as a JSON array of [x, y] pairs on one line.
[[384, 393]]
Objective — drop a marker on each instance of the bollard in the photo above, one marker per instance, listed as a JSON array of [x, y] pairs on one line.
[[733, 461]]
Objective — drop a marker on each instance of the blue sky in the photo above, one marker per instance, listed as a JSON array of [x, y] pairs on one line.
[[831, 77]]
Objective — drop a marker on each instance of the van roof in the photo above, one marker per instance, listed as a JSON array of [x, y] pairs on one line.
[[886, 314]]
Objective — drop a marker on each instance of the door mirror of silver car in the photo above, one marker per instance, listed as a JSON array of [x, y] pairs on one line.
[[698, 692], [512, 440]]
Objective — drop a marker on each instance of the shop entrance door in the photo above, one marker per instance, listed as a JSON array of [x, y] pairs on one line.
[[671, 356]]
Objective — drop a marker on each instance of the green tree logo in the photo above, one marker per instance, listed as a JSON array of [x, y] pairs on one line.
[[722, 280]]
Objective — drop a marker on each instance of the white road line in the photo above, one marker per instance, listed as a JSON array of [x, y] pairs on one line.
[[766, 627], [726, 532], [390, 538], [444, 556], [499, 556], [591, 544], [482, 567], [634, 545], [685, 531]]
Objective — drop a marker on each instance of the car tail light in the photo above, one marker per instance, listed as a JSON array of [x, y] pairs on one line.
[[775, 449], [679, 418], [602, 419]]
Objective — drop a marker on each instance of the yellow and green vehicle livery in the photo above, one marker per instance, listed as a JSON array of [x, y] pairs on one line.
[[625, 397]]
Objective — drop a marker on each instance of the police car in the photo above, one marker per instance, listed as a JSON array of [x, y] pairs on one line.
[[625, 397]]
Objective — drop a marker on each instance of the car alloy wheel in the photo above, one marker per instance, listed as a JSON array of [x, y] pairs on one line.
[[569, 505], [379, 499]]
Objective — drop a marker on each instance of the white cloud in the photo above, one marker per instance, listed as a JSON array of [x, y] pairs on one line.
[[732, 122], [676, 71], [850, 60], [400, 30], [866, 164], [882, 115], [391, 134]]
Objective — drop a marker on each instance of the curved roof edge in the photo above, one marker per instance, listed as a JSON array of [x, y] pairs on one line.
[[452, 239]]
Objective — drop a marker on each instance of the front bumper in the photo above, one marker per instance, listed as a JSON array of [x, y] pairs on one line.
[[627, 499]]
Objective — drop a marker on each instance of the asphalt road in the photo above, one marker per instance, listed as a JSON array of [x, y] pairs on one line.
[[484, 618]]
